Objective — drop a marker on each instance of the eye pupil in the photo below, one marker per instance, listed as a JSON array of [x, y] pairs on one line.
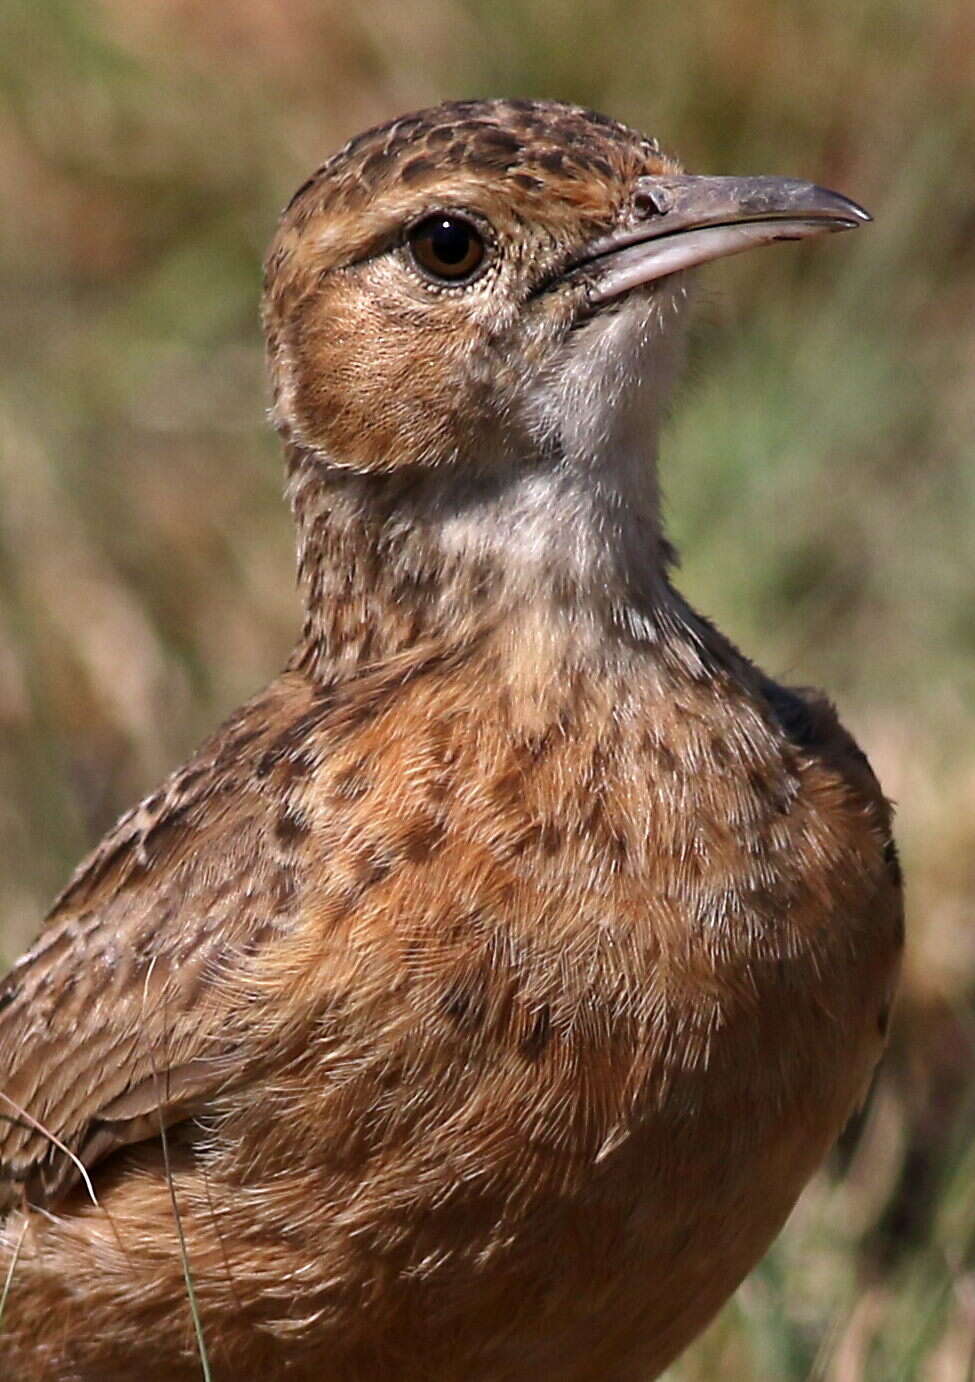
[[450, 240], [447, 247]]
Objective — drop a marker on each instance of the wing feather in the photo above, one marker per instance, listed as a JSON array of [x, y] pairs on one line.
[[121, 1020]]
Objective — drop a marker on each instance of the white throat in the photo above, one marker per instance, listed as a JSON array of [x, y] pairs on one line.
[[590, 514]]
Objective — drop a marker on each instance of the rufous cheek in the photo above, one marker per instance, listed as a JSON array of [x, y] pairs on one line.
[[361, 387]]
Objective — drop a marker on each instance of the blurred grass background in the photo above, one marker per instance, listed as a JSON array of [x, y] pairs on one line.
[[819, 471]]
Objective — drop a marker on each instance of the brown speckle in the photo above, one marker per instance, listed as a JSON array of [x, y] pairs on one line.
[[372, 866], [352, 782], [163, 835], [539, 1034], [719, 750], [665, 759], [423, 837], [551, 838], [464, 1004], [291, 827], [284, 891], [416, 169]]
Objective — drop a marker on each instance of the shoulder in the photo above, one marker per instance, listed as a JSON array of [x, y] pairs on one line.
[[219, 786], [810, 723]]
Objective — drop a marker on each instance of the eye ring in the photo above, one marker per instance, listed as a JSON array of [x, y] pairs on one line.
[[447, 247]]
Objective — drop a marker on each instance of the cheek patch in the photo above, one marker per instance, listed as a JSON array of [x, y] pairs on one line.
[[375, 371]]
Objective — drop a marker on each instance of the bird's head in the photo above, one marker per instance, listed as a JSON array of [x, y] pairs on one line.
[[473, 318], [467, 285]]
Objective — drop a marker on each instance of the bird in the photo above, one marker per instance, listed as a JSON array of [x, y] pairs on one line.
[[477, 1001]]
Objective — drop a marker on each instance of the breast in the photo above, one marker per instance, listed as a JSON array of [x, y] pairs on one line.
[[632, 972]]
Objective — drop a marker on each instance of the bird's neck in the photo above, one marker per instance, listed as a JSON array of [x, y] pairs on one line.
[[546, 532], [550, 567]]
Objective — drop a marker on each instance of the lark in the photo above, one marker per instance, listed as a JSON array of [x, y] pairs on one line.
[[477, 1001]]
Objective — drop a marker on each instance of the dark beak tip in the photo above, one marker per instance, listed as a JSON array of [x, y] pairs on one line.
[[851, 210]]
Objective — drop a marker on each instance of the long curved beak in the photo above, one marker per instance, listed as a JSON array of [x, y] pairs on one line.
[[680, 221]]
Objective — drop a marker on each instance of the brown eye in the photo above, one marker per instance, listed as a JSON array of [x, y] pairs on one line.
[[447, 247]]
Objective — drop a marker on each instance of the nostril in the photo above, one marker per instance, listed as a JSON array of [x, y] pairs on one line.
[[652, 201]]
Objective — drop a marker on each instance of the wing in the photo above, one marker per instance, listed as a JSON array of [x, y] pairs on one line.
[[128, 1013]]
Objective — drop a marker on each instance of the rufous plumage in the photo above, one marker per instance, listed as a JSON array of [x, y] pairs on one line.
[[477, 1001]]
